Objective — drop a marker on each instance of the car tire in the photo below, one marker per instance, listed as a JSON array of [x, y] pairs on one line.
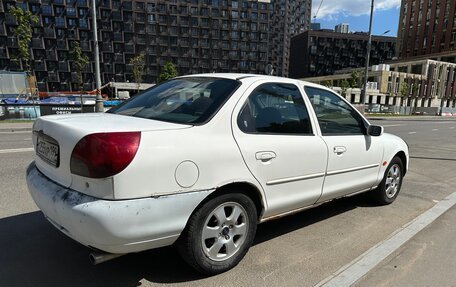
[[391, 183], [219, 233]]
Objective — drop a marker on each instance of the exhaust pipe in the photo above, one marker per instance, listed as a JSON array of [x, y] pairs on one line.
[[98, 257]]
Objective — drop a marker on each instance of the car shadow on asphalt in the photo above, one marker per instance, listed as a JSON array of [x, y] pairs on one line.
[[34, 253]]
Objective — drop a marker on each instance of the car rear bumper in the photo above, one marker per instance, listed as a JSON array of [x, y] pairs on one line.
[[114, 226]]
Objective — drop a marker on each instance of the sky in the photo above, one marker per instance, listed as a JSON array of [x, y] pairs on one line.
[[356, 14]]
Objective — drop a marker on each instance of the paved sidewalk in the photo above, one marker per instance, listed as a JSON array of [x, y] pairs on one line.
[[426, 260], [16, 126]]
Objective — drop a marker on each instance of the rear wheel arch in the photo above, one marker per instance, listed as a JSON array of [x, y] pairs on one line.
[[239, 187]]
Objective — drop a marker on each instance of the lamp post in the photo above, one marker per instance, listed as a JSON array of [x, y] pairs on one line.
[[366, 69], [98, 100]]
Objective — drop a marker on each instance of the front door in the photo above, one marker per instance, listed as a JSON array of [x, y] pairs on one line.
[[354, 157], [272, 128]]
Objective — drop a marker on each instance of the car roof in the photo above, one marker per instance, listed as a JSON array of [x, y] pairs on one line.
[[240, 76]]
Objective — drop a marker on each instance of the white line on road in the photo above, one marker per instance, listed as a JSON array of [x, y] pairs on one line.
[[396, 125], [451, 128], [435, 130], [355, 270], [411, 133], [16, 150], [16, 132], [28, 139]]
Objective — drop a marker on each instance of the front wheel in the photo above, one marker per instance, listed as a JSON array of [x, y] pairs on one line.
[[391, 184], [219, 233]]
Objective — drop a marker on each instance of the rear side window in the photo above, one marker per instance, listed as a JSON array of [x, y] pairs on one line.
[[335, 116], [275, 108], [192, 100]]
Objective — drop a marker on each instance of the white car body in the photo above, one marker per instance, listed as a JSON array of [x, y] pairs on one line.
[[177, 166]]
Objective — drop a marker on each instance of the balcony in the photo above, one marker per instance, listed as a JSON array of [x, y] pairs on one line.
[[118, 37], [107, 47], [129, 68], [81, 3], [85, 46], [106, 25], [49, 33], [129, 27], [37, 43], [75, 77], [3, 53], [62, 45], [63, 66], [2, 30], [39, 65], [130, 48], [51, 55], [118, 58], [11, 42], [116, 16], [10, 19], [53, 77]]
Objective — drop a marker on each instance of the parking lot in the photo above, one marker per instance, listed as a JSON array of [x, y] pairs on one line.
[[299, 250]]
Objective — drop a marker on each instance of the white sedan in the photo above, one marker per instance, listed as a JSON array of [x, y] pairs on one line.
[[200, 160]]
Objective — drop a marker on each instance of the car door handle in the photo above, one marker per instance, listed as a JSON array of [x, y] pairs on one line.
[[340, 149], [265, 155]]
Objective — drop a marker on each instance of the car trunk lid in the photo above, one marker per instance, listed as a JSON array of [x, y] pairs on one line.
[[57, 135]]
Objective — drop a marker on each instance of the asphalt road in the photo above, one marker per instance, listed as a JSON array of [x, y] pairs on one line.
[[299, 250]]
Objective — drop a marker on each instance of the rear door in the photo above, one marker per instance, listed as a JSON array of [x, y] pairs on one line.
[[354, 157], [272, 128]]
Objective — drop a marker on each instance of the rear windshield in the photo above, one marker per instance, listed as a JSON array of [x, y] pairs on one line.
[[184, 100]]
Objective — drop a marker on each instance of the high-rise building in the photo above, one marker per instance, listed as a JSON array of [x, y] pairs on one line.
[[198, 36], [287, 18], [427, 28], [320, 53], [342, 28]]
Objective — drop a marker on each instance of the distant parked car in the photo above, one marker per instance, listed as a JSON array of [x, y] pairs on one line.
[[199, 161]]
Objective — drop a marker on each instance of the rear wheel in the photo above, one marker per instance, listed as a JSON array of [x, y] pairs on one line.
[[391, 184], [219, 233]]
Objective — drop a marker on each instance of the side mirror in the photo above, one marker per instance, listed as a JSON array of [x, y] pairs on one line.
[[374, 130]]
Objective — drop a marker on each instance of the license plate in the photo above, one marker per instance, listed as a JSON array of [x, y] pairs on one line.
[[48, 149]]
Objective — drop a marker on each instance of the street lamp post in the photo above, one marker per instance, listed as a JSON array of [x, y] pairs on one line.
[[98, 100], [366, 70]]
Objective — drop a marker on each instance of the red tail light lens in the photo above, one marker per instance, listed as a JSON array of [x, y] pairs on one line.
[[104, 154]]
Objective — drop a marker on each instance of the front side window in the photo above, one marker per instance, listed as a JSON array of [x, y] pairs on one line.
[[335, 116], [184, 100], [275, 108]]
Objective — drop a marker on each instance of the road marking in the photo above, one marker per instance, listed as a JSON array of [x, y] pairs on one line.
[[435, 130], [396, 125], [355, 270], [451, 128], [411, 133], [16, 132], [13, 150], [28, 139]]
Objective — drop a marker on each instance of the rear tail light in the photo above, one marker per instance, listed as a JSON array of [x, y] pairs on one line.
[[104, 154]]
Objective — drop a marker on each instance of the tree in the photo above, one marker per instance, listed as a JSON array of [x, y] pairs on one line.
[[138, 63], [23, 32], [326, 83], [169, 71], [355, 78], [80, 62], [403, 91], [344, 85]]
